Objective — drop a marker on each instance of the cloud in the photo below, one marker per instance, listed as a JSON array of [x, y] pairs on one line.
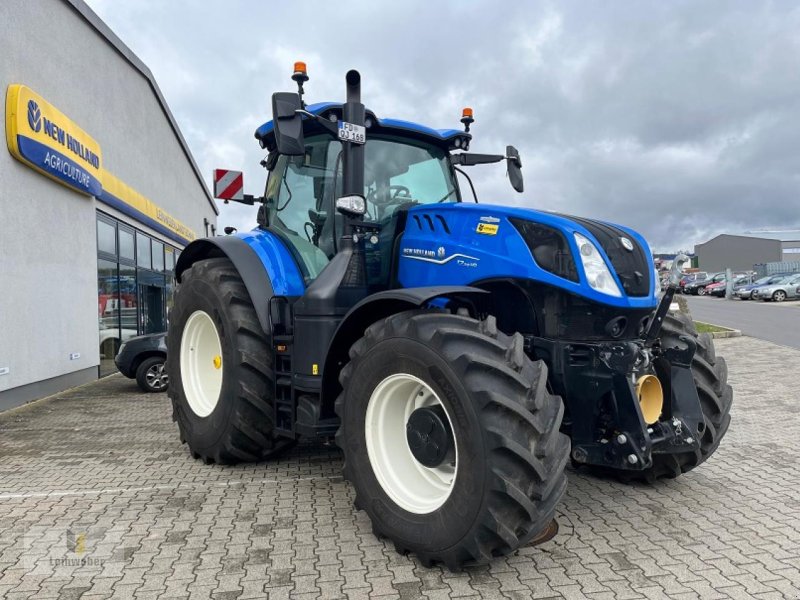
[[678, 119]]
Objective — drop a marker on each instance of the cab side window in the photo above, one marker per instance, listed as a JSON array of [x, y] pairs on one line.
[[299, 200]]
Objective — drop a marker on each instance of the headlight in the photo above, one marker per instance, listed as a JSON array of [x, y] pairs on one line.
[[597, 272]]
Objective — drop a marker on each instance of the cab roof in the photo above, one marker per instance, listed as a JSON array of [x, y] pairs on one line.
[[449, 139]]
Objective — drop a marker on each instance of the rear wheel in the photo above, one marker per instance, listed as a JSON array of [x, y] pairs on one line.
[[701, 291], [451, 438], [779, 296], [220, 367]]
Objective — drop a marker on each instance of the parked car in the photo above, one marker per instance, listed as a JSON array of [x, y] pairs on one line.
[[779, 291], [690, 278], [743, 292], [718, 289], [698, 287], [142, 358]]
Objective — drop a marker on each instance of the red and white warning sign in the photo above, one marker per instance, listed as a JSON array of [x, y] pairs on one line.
[[228, 185]]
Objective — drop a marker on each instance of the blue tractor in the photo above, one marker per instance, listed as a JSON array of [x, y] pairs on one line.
[[460, 353]]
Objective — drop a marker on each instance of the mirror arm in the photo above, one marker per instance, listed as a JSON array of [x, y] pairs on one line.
[[248, 199], [467, 159], [332, 128]]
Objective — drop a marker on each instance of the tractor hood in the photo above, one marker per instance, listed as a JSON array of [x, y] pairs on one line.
[[464, 244]]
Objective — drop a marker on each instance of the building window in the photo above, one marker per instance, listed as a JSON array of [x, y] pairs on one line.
[[143, 251], [158, 256], [129, 302], [106, 237], [108, 313], [135, 284], [126, 244]]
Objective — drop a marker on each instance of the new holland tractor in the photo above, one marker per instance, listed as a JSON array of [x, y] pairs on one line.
[[460, 353]]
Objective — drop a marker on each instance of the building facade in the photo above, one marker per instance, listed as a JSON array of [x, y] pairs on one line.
[[789, 239], [737, 252], [98, 195]]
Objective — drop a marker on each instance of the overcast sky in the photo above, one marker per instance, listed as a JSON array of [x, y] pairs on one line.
[[679, 119]]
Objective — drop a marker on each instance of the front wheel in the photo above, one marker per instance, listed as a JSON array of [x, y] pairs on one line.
[[451, 438], [701, 291]]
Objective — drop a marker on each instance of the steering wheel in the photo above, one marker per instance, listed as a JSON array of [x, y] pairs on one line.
[[397, 193]]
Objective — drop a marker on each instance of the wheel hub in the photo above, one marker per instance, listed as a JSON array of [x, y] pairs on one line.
[[429, 436], [413, 452], [201, 363], [157, 377]]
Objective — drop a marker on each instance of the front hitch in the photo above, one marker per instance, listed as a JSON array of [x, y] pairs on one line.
[[606, 420]]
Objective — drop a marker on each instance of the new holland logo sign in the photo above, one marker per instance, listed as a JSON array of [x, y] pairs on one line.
[[42, 137], [34, 116]]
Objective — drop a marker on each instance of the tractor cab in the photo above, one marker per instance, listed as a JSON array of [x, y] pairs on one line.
[[402, 169], [405, 165]]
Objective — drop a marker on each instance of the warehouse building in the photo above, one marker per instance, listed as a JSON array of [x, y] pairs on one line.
[[98, 195], [737, 252], [789, 239]]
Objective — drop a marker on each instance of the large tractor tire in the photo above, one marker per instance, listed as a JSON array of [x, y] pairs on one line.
[[716, 397], [451, 438], [220, 367]]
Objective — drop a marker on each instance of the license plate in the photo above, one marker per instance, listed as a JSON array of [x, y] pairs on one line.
[[348, 132]]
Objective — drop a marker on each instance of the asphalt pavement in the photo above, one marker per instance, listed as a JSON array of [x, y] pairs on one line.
[[771, 321]]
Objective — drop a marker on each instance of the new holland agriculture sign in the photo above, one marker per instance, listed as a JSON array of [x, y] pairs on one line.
[[42, 137]]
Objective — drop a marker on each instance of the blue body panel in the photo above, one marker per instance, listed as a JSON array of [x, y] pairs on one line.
[[280, 265], [431, 256], [321, 107]]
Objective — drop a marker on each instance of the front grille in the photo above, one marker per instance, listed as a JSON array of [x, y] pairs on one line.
[[633, 268]]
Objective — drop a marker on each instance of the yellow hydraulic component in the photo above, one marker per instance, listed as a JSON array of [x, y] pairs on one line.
[[217, 360], [651, 397]]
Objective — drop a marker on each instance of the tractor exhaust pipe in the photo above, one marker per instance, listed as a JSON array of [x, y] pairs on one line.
[[353, 154], [353, 79]]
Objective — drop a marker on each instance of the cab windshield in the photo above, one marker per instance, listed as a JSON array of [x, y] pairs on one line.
[[399, 173]]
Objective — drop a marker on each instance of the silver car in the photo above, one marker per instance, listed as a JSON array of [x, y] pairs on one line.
[[744, 292], [780, 290]]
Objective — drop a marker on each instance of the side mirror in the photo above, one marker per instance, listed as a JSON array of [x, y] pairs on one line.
[[288, 123], [514, 168]]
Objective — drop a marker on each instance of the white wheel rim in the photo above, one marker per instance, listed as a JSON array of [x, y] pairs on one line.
[[201, 363], [413, 486]]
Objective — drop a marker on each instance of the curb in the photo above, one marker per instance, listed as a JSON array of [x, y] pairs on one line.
[[726, 334]]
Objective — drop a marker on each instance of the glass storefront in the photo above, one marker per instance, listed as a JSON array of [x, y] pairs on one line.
[[135, 282]]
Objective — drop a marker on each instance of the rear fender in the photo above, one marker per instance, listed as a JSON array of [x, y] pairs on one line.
[[265, 264]]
